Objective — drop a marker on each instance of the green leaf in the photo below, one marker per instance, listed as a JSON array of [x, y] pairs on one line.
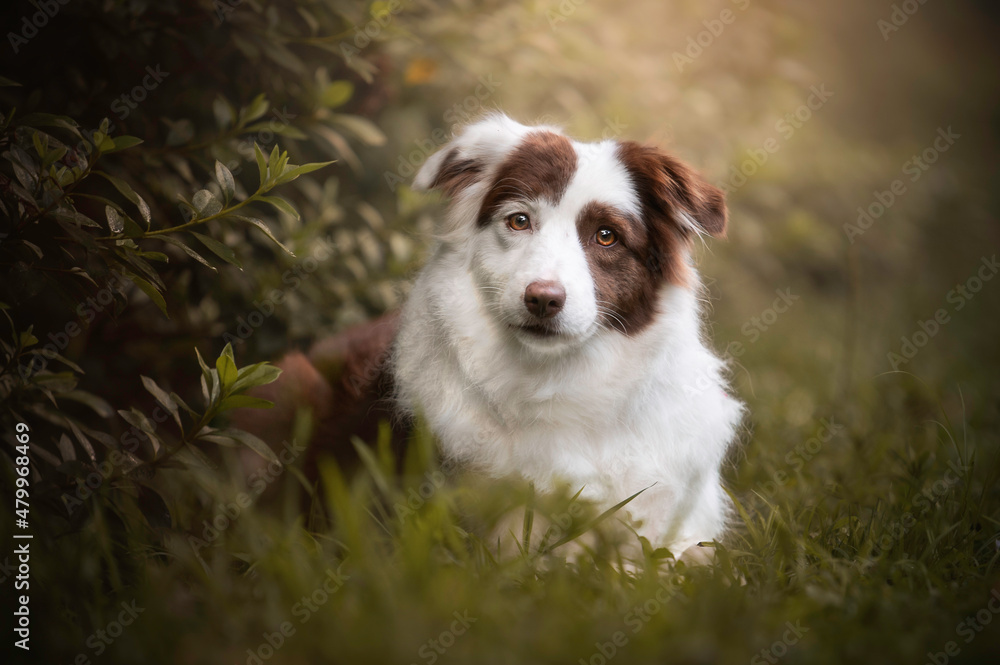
[[340, 144], [220, 250], [244, 402], [272, 160], [201, 361], [50, 120], [41, 141], [96, 404], [226, 181], [73, 216], [59, 381], [291, 172], [193, 457], [259, 374], [27, 339], [153, 507], [138, 419], [65, 361], [163, 398], [205, 203], [181, 403], [25, 167], [150, 291], [215, 392], [267, 231], [261, 164], [281, 55], [363, 128], [115, 221], [226, 366], [141, 264], [212, 436], [253, 443], [223, 111], [129, 193], [123, 143], [180, 131], [280, 204], [54, 155], [336, 94], [187, 250], [254, 109], [106, 144], [155, 256]]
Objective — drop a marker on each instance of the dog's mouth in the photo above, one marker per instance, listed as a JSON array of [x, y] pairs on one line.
[[537, 329]]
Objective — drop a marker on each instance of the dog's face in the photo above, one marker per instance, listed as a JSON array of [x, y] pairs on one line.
[[564, 238]]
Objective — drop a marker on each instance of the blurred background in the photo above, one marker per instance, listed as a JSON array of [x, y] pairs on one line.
[[857, 142]]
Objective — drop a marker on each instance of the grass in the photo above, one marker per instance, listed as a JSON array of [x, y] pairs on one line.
[[872, 550]]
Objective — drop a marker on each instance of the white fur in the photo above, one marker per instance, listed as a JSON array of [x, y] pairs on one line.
[[597, 409]]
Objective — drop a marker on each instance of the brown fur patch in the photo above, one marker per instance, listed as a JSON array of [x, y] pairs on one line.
[[345, 384], [668, 188], [624, 284], [650, 251], [456, 174], [299, 386], [356, 364], [540, 167]]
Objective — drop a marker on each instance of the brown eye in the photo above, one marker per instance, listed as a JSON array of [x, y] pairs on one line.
[[519, 221], [605, 237]]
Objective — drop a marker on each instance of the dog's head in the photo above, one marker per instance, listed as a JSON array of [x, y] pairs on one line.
[[567, 238]]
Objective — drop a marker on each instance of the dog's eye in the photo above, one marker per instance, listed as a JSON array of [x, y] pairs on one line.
[[606, 237], [519, 221]]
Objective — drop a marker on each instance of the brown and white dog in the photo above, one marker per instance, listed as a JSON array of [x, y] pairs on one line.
[[555, 332]]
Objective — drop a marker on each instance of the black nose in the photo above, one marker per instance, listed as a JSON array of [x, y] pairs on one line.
[[544, 299]]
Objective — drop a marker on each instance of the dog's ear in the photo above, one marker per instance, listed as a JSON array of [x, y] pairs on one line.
[[471, 156], [669, 190], [448, 171]]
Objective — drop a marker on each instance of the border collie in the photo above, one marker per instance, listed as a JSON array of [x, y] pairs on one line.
[[555, 333]]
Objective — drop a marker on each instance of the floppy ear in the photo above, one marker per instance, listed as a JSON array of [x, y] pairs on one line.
[[448, 171], [471, 156], [670, 190]]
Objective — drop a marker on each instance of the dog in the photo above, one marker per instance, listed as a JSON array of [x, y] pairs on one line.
[[555, 333], [553, 336]]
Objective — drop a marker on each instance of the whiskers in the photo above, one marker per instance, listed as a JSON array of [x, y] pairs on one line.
[[491, 300], [606, 310]]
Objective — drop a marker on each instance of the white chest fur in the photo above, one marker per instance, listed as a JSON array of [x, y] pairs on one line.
[[613, 416]]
